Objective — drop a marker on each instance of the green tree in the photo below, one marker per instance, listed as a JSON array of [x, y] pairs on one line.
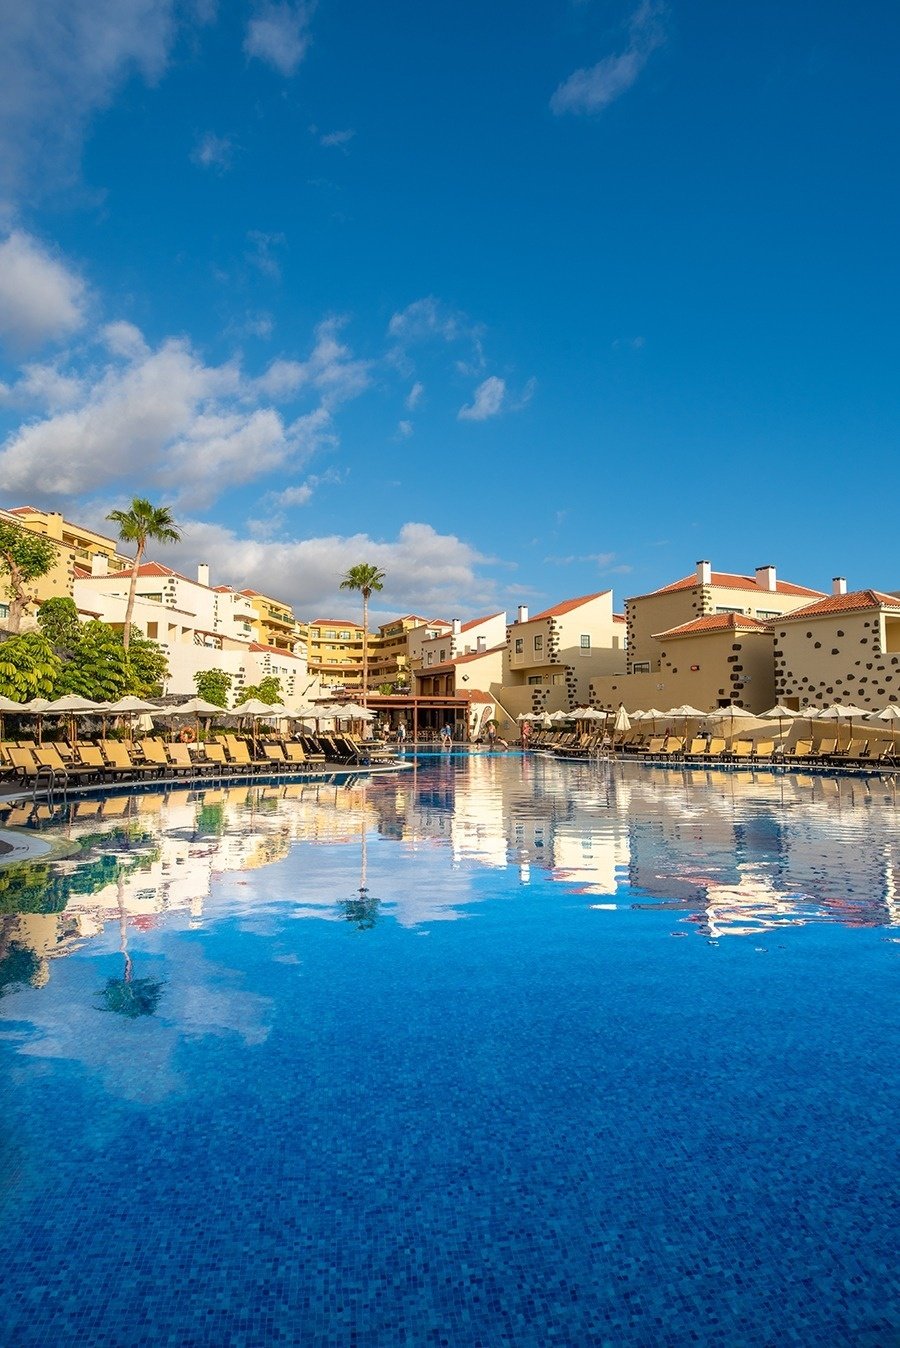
[[267, 690], [148, 667], [24, 556], [214, 685], [141, 523], [29, 667], [365, 579], [58, 620], [98, 665]]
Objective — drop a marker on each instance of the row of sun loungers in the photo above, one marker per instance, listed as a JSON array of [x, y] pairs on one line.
[[226, 755], [855, 752]]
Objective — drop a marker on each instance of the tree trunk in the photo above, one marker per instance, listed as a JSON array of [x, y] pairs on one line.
[[365, 687], [129, 607], [18, 599]]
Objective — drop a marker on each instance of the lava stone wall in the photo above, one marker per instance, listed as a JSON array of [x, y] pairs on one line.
[[838, 658]]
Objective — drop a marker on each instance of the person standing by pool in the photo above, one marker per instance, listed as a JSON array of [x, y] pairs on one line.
[[446, 737], [401, 733], [526, 734]]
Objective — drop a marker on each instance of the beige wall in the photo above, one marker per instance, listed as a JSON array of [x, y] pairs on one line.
[[730, 666], [551, 650], [844, 657]]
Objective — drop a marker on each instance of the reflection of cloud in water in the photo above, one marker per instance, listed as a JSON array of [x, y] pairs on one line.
[[138, 1059]]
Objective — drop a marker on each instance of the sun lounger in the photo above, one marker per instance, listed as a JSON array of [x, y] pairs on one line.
[[120, 757]]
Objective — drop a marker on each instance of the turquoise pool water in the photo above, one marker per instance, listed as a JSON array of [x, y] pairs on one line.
[[495, 1051]]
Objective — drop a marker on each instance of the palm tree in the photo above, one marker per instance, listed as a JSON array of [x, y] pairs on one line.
[[141, 522], [366, 579]]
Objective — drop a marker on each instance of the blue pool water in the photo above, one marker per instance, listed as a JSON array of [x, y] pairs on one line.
[[485, 1053]]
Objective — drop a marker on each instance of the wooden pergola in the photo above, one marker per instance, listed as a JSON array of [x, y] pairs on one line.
[[454, 707]]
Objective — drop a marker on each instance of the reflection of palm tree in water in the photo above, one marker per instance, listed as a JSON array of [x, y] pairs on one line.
[[129, 996], [363, 910]]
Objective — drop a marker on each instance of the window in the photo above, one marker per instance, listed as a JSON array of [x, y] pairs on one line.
[[641, 667], [585, 643], [729, 610], [443, 653], [4, 610], [331, 636], [535, 678], [764, 613], [153, 631], [520, 645], [429, 657], [538, 645]]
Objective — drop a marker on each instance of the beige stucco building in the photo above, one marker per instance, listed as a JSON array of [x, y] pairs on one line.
[[74, 546], [552, 656], [843, 648]]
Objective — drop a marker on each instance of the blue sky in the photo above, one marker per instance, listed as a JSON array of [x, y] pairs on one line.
[[518, 302]]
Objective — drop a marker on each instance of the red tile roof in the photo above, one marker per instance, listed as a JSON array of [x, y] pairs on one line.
[[475, 622], [566, 606], [333, 622], [24, 510], [841, 603], [619, 618], [728, 580], [273, 650], [714, 622]]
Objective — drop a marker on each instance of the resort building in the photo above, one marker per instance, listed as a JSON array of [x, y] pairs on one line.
[[459, 638], [708, 662], [335, 653], [74, 546], [704, 640], [481, 670], [703, 594], [274, 623], [552, 656], [389, 661], [417, 637], [198, 626], [843, 648]]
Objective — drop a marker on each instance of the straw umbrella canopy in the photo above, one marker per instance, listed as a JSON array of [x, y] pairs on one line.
[[837, 712], [732, 713], [780, 713], [72, 706], [653, 714], [196, 707], [557, 716], [889, 713]]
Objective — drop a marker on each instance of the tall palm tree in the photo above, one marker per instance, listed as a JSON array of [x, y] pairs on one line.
[[141, 522], [366, 579]]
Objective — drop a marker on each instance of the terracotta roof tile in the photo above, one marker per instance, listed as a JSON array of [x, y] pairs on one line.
[[566, 606], [714, 622], [841, 603], [461, 660], [728, 580], [475, 622]]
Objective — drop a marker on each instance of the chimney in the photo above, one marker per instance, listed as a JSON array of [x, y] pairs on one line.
[[203, 574], [704, 573], [482, 644], [99, 564], [839, 585], [523, 614], [765, 578], [456, 627]]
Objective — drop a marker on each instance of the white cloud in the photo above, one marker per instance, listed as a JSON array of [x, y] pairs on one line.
[[414, 397], [593, 88], [405, 428], [427, 319], [40, 298], [337, 138], [212, 151], [262, 254], [330, 369], [164, 417], [61, 61], [425, 571], [278, 34], [487, 402]]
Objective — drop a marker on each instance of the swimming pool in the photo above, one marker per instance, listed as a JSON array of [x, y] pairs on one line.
[[495, 1051]]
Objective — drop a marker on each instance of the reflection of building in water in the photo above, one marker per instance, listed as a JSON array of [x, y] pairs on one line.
[[763, 851], [733, 852]]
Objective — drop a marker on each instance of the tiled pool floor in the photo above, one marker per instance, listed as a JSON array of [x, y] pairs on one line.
[[496, 1053]]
